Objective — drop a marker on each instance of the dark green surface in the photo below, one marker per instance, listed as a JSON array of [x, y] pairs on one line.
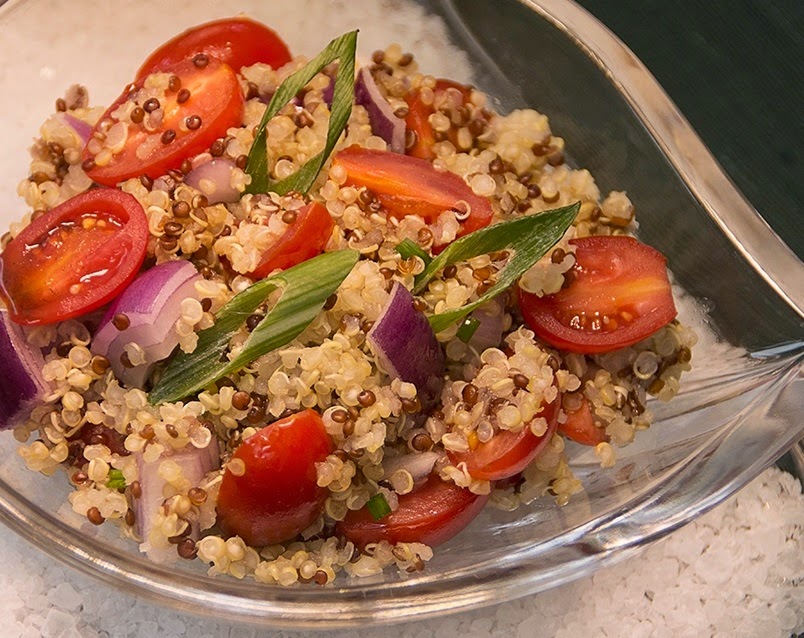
[[736, 71]]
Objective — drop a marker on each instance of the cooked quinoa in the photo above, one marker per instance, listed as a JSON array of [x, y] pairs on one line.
[[100, 432]]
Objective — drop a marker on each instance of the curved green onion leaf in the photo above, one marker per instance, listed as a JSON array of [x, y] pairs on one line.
[[341, 49], [305, 289], [528, 238], [408, 248]]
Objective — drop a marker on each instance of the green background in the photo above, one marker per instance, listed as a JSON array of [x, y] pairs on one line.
[[735, 69]]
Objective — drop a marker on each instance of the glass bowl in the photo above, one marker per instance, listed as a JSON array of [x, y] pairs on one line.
[[739, 410]]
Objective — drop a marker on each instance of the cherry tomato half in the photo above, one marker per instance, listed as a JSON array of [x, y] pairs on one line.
[[507, 453], [277, 496], [432, 514], [580, 426], [619, 294], [447, 93], [411, 186], [74, 258], [189, 127], [305, 238], [237, 41]]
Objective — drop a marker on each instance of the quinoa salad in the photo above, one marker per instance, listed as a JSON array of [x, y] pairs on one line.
[[296, 318]]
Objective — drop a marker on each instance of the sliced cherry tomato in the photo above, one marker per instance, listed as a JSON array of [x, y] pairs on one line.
[[304, 239], [277, 496], [618, 295], [507, 453], [74, 258], [411, 186], [446, 92], [237, 41], [215, 104], [432, 514], [580, 427]]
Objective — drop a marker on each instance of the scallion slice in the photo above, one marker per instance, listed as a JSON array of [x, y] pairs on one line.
[[378, 507], [467, 329]]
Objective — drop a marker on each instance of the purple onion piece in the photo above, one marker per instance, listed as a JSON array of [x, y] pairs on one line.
[[152, 304], [488, 333], [195, 464], [418, 464], [214, 180], [23, 385], [406, 346], [329, 92], [383, 121], [81, 128]]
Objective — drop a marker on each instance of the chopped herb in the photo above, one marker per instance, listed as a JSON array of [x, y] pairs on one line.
[[116, 480], [467, 329], [341, 49], [378, 507], [305, 289]]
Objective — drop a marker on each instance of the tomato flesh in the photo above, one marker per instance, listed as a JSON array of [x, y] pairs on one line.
[[417, 120], [411, 186], [619, 294], [237, 41], [214, 97], [277, 496], [304, 239], [580, 427], [432, 514], [74, 258], [507, 453]]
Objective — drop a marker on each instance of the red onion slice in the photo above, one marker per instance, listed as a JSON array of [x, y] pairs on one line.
[[80, 128], [488, 333], [418, 464], [23, 385], [214, 180], [406, 346], [383, 121], [152, 304], [195, 464]]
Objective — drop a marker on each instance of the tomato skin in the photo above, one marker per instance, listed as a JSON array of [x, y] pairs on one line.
[[432, 514], [277, 496], [236, 41], [411, 186], [303, 240], [215, 97], [580, 427], [419, 112], [615, 277], [69, 247], [507, 453]]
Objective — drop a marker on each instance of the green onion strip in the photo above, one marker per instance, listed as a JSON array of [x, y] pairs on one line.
[[305, 289], [341, 49], [528, 238]]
